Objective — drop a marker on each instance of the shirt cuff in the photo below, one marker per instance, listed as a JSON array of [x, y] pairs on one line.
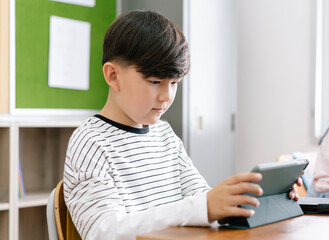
[[199, 211]]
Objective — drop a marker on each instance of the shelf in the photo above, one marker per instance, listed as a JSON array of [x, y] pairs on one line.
[[39, 145], [34, 200], [55, 121], [4, 124], [4, 224], [42, 152], [4, 206], [4, 164], [33, 223], [44, 123]]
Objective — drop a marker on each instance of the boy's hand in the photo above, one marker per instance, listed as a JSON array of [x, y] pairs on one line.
[[223, 200], [293, 193]]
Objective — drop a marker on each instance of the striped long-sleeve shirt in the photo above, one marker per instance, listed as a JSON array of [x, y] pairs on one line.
[[121, 181]]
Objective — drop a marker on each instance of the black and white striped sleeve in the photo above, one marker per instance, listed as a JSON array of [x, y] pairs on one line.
[[192, 181], [89, 189], [97, 205]]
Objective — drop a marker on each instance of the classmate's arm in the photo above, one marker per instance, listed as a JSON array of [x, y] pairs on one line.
[[321, 169]]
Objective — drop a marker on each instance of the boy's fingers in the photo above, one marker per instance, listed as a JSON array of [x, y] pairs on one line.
[[245, 187], [244, 199], [299, 182], [240, 212], [293, 193], [243, 177]]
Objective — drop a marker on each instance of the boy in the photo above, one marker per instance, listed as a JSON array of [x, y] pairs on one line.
[[126, 172]]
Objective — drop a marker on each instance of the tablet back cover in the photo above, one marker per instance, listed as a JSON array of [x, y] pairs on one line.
[[272, 209]]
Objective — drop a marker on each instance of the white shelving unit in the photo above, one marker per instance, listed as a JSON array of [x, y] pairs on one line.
[[4, 180], [39, 144]]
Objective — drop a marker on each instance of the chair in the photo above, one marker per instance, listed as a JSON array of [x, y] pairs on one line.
[[60, 225], [52, 230]]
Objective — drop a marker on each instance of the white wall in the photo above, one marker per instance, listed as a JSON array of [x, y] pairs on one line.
[[276, 54]]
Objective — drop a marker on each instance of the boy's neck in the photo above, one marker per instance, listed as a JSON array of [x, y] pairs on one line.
[[111, 112]]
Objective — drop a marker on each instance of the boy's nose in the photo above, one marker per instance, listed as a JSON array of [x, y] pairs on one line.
[[166, 94]]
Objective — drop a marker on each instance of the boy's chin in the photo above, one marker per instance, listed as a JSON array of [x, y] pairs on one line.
[[152, 121]]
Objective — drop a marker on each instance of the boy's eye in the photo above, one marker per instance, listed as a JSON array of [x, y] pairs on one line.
[[155, 82], [175, 82]]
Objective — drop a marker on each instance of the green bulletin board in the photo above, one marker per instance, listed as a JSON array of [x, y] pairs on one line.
[[32, 46]]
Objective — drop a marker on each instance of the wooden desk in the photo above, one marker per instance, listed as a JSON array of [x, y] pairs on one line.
[[312, 227]]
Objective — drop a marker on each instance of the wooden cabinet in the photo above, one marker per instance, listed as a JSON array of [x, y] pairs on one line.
[[38, 145]]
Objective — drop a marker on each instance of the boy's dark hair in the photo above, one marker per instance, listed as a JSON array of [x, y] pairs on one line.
[[150, 42]]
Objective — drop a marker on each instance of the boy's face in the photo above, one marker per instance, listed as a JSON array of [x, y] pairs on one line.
[[141, 101]]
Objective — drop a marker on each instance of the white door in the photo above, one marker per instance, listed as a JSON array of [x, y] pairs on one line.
[[211, 31]]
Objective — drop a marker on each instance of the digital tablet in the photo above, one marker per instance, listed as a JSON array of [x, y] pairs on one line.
[[314, 205], [275, 205], [279, 177]]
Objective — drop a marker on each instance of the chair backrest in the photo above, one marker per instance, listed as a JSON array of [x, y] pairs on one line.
[[65, 227], [52, 230], [60, 211]]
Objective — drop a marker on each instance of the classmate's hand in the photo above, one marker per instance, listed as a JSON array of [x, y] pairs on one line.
[[223, 200], [293, 193]]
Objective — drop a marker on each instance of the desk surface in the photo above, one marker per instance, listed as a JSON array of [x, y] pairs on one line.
[[312, 227]]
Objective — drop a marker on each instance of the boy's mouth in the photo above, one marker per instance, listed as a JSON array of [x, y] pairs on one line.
[[159, 110]]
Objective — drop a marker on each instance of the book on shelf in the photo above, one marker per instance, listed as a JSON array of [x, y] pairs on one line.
[[21, 188]]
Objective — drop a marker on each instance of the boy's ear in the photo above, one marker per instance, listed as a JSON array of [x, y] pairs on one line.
[[110, 71]]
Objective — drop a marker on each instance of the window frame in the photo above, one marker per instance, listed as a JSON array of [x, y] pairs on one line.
[[321, 100]]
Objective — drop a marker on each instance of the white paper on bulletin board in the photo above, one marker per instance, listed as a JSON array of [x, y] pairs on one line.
[[69, 53], [86, 3]]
